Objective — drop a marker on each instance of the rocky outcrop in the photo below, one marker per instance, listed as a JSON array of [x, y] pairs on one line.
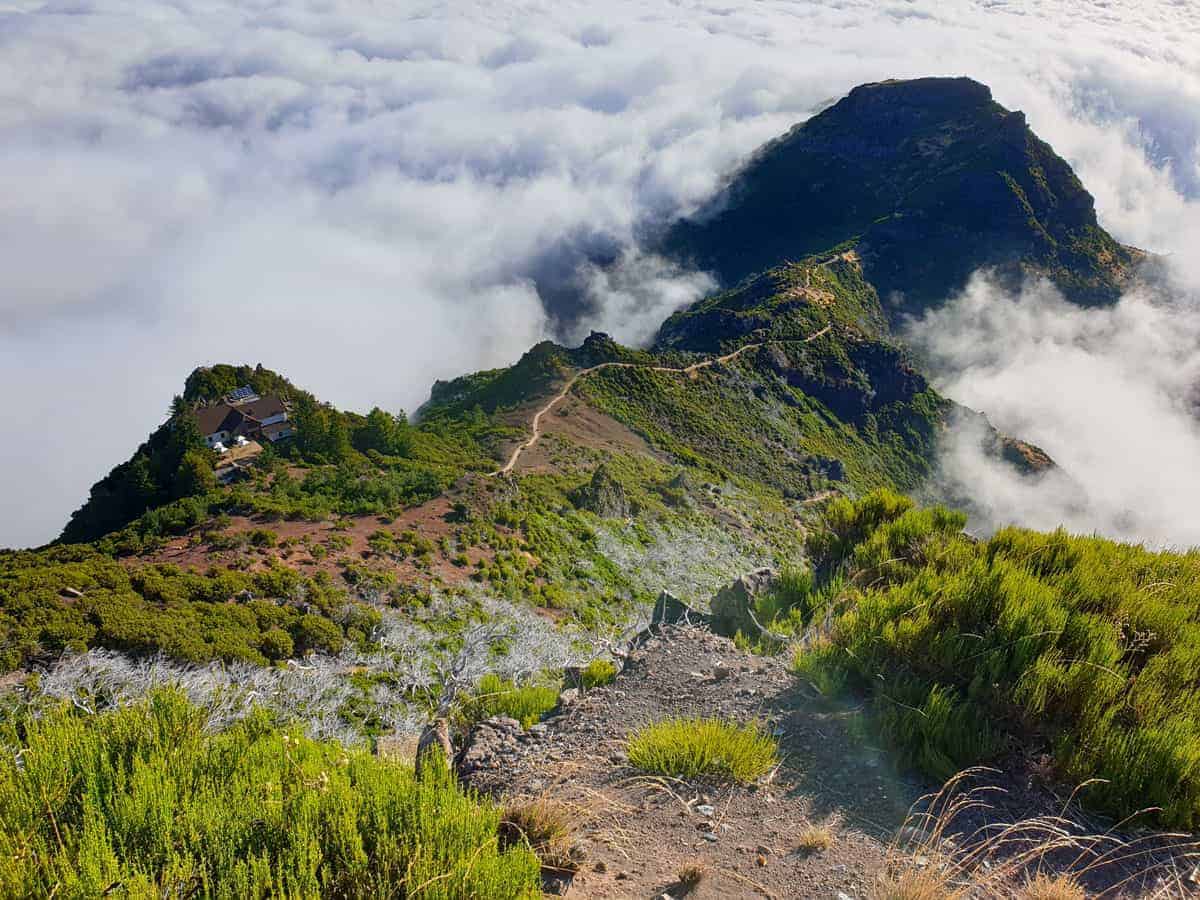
[[604, 495], [733, 605]]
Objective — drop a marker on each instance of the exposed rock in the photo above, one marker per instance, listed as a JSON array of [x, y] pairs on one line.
[[731, 606], [487, 743], [670, 610], [604, 495], [1026, 458]]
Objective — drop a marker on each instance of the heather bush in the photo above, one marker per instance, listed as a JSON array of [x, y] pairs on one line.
[[598, 673], [69, 599], [1081, 646], [146, 802]]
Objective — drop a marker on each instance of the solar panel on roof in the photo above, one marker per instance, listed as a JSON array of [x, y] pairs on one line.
[[242, 393]]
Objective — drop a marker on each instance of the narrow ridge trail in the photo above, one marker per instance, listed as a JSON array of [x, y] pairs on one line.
[[536, 427]]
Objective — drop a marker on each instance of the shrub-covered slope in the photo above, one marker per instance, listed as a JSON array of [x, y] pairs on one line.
[[933, 180], [146, 803], [1023, 643]]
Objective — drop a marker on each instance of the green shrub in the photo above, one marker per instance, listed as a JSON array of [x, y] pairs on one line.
[[317, 633], [144, 803], [688, 748], [263, 537], [161, 608], [598, 672], [277, 644], [496, 696], [1079, 646]]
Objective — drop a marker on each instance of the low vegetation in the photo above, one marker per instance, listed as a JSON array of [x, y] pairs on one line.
[[690, 876], [498, 696], [598, 673], [547, 828], [815, 837], [1086, 648], [144, 803], [692, 748], [69, 599]]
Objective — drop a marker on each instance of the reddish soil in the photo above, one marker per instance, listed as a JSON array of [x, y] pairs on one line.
[[576, 423], [429, 520]]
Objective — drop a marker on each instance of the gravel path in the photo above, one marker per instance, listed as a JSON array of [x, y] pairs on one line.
[[637, 831]]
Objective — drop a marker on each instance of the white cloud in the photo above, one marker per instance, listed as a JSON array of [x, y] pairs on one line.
[[369, 196], [1112, 395]]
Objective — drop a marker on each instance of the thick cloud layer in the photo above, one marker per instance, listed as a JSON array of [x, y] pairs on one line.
[[1113, 395], [368, 197]]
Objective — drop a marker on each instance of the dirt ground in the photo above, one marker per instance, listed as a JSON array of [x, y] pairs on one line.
[[574, 426], [431, 520], [638, 831]]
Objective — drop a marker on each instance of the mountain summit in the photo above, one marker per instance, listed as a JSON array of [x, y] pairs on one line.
[[931, 179]]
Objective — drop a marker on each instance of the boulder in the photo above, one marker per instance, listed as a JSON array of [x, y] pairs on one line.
[[604, 495], [731, 606], [488, 744]]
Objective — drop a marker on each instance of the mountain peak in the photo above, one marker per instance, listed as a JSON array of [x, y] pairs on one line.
[[931, 179]]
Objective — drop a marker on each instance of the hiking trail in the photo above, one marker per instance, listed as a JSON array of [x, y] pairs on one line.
[[536, 427]]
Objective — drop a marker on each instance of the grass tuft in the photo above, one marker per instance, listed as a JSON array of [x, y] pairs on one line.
[[496, 696], [815, 838], [690, 875], [1045, 887], [547, 828], [688, 748], [912, 884]]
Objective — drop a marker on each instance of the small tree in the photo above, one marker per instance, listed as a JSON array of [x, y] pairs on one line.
[[384, 432], [195, 474]]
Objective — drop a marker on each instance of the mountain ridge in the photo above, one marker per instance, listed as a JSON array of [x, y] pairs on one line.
[[468, 595], [930, 179]]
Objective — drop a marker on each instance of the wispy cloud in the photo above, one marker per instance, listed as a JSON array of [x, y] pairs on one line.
[[1113, 395], [370, 197]]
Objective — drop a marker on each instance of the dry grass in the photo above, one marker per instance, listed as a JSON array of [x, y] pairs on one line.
[[913, 884], [547, 826], [815, 837], [1051, 857], [690, 875], [1044, 887]]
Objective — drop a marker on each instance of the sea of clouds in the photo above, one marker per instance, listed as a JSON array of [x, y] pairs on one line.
[[370, 196]]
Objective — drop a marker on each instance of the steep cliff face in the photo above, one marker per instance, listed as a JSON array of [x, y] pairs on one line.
[[930, 179]]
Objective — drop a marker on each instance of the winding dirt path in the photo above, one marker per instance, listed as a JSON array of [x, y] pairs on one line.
[[536, 427]]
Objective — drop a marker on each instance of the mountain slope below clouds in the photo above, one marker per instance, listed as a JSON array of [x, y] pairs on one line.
[[932, 179]]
